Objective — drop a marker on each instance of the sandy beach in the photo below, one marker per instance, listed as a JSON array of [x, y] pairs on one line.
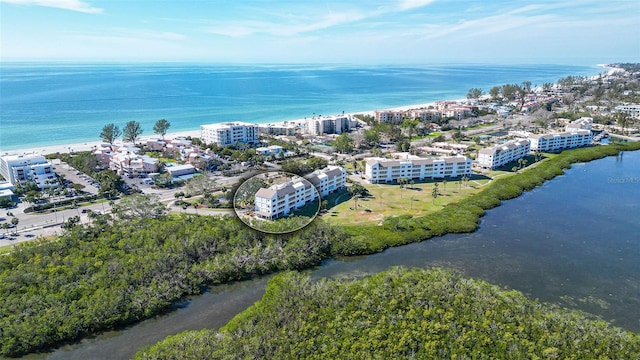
[[89, 145]]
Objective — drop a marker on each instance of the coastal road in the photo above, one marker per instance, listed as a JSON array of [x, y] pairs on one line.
[[33, 225]]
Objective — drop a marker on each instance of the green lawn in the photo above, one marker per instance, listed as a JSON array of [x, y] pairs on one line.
[[391, 200]]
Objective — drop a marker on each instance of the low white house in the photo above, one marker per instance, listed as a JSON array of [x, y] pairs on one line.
[[275, 150], [180, 170]]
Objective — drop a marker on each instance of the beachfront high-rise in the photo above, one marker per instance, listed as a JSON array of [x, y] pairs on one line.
[[319, 125], [28, 167], [493, 157], [379, 170], [229, 133]]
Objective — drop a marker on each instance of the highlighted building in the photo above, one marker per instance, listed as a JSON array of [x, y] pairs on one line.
[[560, 141], [281, 199], [493, 157], [379, 170], [229, 133], [28, 168]]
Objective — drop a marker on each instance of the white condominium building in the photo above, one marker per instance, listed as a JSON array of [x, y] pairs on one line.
[[28, 167], [584, 123], [390, 116], [560, 141], [229, 133], [319, 125], [384, 170], [427, 115], [632, 109], [279, 200], [328, 180], [493, 157], [285, 128]]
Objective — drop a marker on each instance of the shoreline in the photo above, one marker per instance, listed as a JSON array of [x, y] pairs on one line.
[[88, 140], [89, 145]]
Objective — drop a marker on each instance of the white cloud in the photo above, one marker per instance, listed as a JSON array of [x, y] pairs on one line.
[[412, 4], [73, 5], [312, 19], [261, 27], [131, 36]]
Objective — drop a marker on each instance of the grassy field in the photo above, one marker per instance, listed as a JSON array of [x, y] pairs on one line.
[[392, 200]]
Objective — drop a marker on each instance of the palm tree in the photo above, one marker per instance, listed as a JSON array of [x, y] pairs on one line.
[[15, 221], [434, 192]]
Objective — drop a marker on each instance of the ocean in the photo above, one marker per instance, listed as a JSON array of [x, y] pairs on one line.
[[54, 104]]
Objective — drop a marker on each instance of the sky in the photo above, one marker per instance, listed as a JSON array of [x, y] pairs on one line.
[[291, 31]]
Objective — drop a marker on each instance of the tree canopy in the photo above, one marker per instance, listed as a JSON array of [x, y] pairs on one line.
[[474, 93], [343, 143], [161, 126], [110, 133], [139, 207], [400, 314], [131, 131]]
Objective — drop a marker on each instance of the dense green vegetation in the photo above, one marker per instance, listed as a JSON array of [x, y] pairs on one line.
[[101, 276], [399, 314], [282, 225], [115, 272], [463, 216]]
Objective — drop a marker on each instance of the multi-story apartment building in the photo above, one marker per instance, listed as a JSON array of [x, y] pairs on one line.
[[493, 157], [632, 110], [390, 116], [285, 128], [128, 163], [319, 125], [430, 115], [379, 170], [560, 141], [457, 112], [28, 167], [584, 123], [229, 133], [279, 200], [328, 180]]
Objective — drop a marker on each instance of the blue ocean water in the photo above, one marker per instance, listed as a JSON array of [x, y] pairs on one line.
[[53, 104]]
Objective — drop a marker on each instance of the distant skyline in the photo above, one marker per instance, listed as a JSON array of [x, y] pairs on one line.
[[355, 32]]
